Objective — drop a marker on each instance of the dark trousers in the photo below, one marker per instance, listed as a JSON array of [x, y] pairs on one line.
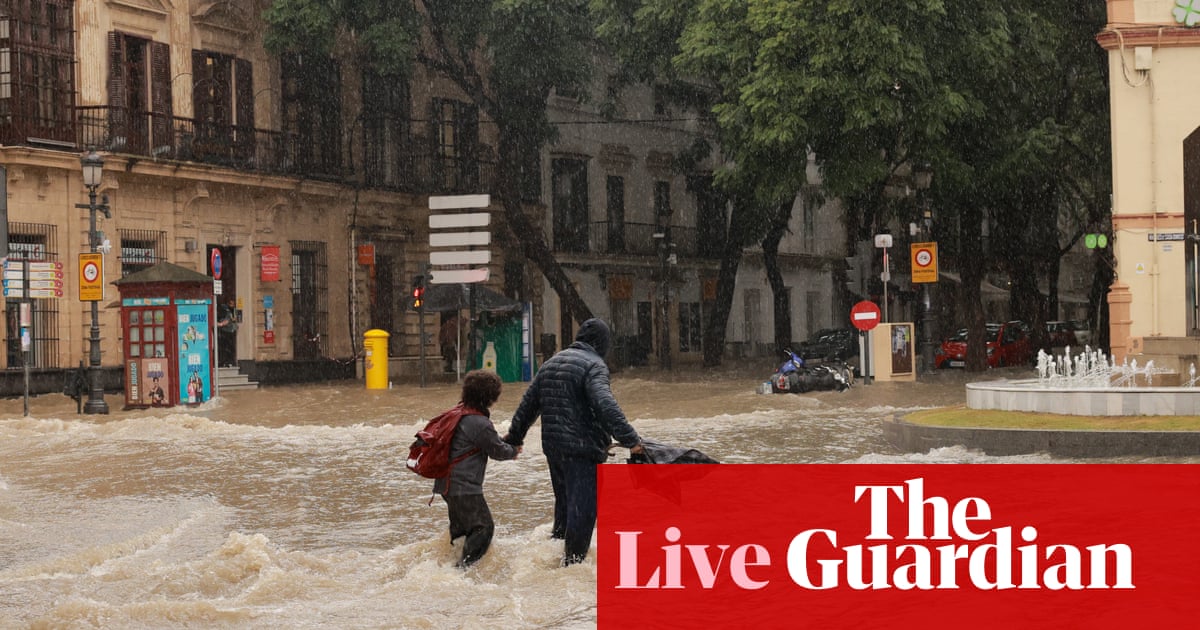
[[226, 348], [574, 483], [470, 517]]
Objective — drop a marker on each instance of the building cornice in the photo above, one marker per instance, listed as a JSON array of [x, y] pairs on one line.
[[1118, 36]]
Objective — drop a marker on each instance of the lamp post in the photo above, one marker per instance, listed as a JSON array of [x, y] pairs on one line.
[[93, 168], [666, 259]]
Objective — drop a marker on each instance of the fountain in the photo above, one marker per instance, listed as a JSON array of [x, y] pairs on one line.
[[1090, 384]]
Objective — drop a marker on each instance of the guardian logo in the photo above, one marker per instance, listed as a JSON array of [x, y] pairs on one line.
[[830, 546]]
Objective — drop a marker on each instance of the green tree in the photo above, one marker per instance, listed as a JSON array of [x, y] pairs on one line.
[[868, 88], [505, 56]]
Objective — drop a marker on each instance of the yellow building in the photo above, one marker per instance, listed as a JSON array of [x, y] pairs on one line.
[[210, 143], [1154, 49]]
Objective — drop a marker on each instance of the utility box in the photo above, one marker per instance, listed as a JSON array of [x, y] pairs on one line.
[[167, 336], [893, 352]]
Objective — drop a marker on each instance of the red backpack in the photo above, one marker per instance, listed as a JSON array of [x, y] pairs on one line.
[[429, 455]]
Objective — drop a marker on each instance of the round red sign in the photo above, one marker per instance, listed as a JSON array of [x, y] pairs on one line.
[[864, 315]]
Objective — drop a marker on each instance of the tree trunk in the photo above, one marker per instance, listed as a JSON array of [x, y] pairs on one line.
[[528, 233], [781, 301], [971, 300], [731, 258]]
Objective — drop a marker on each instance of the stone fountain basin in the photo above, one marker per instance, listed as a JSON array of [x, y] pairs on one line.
[[1035, 395]]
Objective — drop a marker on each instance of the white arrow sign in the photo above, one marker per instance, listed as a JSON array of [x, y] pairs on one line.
[[451, 258], [459, 239], [471, 219], [458, 202], [459, 276]]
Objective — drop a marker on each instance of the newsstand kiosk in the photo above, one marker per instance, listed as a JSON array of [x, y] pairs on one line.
[[166, 326]]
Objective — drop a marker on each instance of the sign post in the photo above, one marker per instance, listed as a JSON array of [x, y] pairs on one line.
[[453, 259], [884, 241], [865, 317]]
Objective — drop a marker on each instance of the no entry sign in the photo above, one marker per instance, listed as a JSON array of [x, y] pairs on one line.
[[864, 315]]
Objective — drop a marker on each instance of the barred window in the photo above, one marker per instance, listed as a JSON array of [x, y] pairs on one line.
[[141, 249], [32, 243], [310, 311], [37, 71]]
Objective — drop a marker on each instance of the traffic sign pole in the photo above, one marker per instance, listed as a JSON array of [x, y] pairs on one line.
[[865, 317]]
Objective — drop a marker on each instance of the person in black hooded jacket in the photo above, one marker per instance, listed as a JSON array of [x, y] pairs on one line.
[[580, 419]]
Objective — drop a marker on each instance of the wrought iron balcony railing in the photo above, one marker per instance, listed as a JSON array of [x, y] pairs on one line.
[[634, 239], [118, 130]]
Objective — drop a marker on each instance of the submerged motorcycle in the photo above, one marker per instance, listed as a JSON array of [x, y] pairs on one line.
[[794, 376]]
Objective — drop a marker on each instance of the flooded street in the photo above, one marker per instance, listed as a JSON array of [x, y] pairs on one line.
[[291, 507]]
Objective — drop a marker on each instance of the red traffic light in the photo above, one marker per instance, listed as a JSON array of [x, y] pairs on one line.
[[418, 293]]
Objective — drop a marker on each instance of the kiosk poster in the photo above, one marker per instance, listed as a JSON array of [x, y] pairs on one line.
[[156, 381], [194, 374]]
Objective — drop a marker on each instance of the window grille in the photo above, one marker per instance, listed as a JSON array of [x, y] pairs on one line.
[[141, 249], [310, 290], [32, 242]]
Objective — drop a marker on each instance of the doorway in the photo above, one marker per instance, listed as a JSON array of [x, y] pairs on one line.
[[227, 354]]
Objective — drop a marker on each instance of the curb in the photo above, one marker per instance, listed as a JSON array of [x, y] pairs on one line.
[[916, 438]]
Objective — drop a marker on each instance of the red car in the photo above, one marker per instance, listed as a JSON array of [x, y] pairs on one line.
[[1007, 344]]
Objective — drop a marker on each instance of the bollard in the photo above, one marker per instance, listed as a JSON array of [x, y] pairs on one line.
[[375, 358]]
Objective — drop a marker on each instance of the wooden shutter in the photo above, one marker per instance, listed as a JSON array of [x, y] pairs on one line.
[[118, 126], [244, 116], [223, 94], [200, 99], [160, 97]]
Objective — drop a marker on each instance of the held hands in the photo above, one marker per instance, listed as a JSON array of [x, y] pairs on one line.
[[638, 450]]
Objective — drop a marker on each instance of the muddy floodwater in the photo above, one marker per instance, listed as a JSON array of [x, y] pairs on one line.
[[290, 507]]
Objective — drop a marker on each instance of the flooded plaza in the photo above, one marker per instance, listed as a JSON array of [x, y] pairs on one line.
[[291, 506]]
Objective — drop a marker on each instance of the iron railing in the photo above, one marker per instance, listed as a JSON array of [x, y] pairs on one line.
[[167, 137], [637, 239]]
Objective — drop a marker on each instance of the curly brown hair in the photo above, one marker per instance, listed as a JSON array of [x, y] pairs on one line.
[[481, 389]]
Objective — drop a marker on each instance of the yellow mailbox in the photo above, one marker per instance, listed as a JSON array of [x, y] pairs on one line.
[[375, 359]]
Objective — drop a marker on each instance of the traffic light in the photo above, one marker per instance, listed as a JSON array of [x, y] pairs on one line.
[[418, 291], [853, 276], [858, 267]]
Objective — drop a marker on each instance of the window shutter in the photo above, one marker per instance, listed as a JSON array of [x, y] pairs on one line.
[[160, 96], [243, 133], [117, 97], [200, 99], [222, 93]]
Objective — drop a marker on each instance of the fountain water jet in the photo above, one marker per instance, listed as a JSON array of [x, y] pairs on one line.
[[1090, 384]]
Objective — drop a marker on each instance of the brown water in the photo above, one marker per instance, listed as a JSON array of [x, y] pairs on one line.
[[290, 507]]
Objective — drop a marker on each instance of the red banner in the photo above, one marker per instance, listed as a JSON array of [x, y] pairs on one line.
[[898, 546], [270, 263]]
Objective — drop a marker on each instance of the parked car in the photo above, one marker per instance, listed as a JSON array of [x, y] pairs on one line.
[[830, 343], [1060, 333], [1007, 344], [1083, 334]]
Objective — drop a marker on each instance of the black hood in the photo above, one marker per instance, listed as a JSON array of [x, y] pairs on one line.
[[594, 332]]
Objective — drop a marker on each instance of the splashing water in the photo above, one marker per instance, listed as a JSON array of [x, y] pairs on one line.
[[1092, 369]]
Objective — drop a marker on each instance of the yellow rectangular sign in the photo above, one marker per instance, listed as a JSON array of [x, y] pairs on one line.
[[91, 277], [924, 262]]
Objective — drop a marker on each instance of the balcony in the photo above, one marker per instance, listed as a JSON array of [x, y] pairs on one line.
[[243, 148], [632, 239]]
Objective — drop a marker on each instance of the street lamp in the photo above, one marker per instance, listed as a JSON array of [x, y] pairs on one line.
[[93, 168]]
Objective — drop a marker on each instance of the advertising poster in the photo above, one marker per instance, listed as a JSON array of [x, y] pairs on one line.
[[156, 382], [195, 376], [902, 349], [133, 382]]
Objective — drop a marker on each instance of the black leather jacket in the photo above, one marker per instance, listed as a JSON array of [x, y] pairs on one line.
[[572, 394]]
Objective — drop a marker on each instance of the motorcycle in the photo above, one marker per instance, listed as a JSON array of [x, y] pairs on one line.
[[795, 376]]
